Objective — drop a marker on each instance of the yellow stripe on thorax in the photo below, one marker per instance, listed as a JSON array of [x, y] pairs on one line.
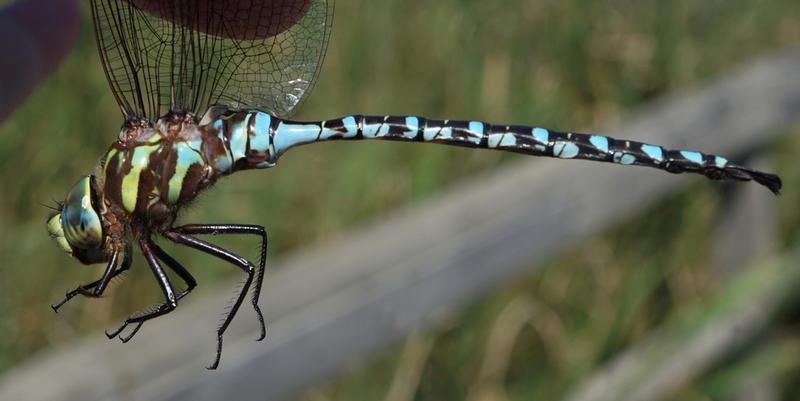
[[130, 183]]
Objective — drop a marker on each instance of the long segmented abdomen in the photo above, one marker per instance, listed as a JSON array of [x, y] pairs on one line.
[[266, 145]]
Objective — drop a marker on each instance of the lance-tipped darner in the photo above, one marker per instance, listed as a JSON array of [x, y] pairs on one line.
[[206, 89]]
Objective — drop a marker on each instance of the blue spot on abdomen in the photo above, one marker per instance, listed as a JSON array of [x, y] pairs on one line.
[[599, 142], [541, 135], [653, 152], [694, 157], [565, 150]]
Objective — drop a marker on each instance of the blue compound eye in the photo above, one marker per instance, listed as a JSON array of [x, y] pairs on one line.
[[80, 220]]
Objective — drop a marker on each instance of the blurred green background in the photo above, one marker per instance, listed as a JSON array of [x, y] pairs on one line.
[[563, 64]]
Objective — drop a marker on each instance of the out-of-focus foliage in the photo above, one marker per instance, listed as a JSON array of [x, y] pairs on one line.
[[562, 64]]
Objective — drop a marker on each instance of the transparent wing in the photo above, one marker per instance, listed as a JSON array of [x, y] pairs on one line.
[[162, 55]]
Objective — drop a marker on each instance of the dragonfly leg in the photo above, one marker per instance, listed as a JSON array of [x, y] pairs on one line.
[[96, 288], [236, 260], [181, 271], [213, 229], [168, 306]]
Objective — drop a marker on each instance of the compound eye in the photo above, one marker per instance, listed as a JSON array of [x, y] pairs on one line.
[[80, 219], [57, 232]]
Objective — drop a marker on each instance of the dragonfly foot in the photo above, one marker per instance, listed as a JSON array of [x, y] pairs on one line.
[[263, 334], [127, 338], [69, 295], [89, 290], [117, 331], [59, 305], [219, 354]]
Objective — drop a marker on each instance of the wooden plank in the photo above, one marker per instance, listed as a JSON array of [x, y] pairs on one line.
[[662, 365], [335, 305]]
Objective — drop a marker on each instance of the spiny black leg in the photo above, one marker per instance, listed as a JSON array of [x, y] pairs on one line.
[[90, 289], [173, 264], [214, 229], [236, 260], [162, 309], [96, 288]]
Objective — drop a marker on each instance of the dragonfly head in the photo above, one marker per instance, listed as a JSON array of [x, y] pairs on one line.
[[77, 226]]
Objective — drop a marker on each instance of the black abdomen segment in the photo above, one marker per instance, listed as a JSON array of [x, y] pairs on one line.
[[519, 139]]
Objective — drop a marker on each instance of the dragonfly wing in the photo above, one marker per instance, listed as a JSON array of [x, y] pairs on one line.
[[162, 55]]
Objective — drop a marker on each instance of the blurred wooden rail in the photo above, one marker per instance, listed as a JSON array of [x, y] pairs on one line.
[[337, 304], [663, 364]]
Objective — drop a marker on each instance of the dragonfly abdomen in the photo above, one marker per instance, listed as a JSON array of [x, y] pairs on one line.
[[528, 140], [237, 139]]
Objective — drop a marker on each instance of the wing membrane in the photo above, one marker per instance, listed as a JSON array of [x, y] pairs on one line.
[[162, 55]]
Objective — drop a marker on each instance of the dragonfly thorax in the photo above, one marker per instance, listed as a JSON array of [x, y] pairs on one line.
[[154, 169], [146, 176]]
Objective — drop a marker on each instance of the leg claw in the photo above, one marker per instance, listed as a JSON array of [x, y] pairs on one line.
[[263, 334], [127, 338], [117, 331], [57, 306], [219, 354]]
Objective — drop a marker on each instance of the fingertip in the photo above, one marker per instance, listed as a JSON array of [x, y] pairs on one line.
[[52, 24], [34, 35]]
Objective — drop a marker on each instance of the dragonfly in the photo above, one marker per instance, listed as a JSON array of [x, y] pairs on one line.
[[206, 89]]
